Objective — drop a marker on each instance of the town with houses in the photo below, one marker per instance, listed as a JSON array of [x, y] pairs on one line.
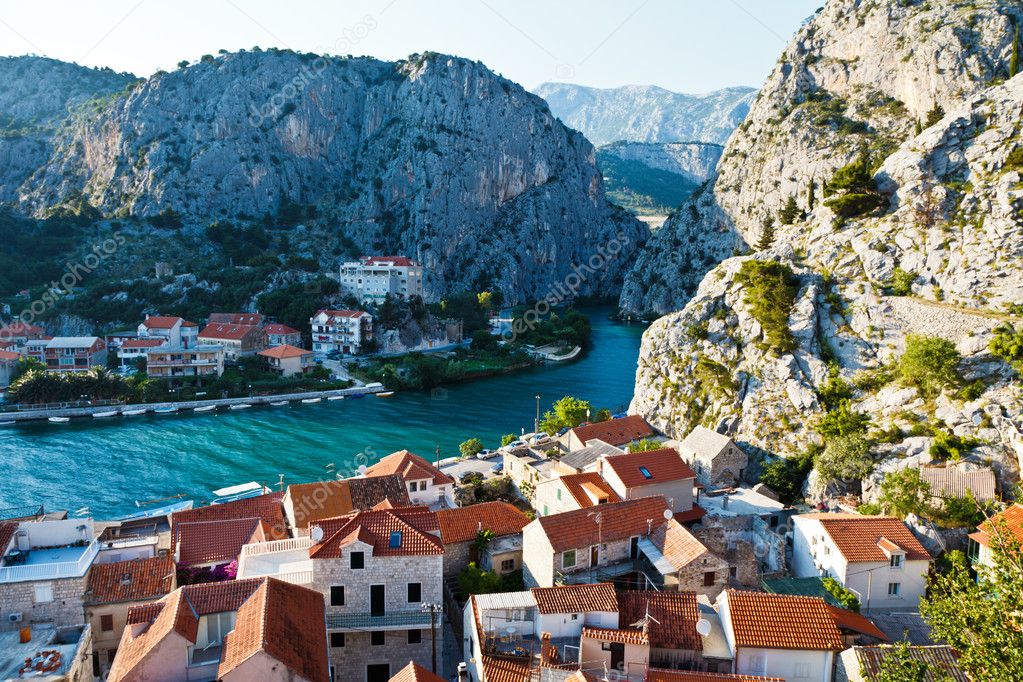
[[618, 554]]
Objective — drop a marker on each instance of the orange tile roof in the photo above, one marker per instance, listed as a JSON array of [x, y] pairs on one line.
[[9, 355], [663, 465], [781, 621], [217, 541], [284, 621], [583, 487], [674, 617], [694, 514], [505, 669], [236, 318], [413, 672], [1011, 520], [615, 431], [165, 322], [618, 521], [142, 343], [267, 507], [233, 332], [855, 622], [857, 536], [314, 502], [677, 544], [375, 528], [462, 523], [626, 636], [654, 675], [279, 329], [410, 466], [7, 530], [400, 261], [284, 351], [576, 598], [133, 580]]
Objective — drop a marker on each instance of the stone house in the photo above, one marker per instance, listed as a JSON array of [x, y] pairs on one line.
[[693, 568], [616, 432], [426, 484], [569, 492], [654, 472], [459, 528], [113, 589], [233, 631], [307, 503], [238, 340], [585, 459], [716, 459]]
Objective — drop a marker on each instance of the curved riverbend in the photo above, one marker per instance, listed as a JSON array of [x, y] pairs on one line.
[[106, 464]]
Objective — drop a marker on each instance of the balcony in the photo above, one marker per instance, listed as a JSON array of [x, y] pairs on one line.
[[274, 546], [181, 363], [393, 620], [286, 560], [48, 564]]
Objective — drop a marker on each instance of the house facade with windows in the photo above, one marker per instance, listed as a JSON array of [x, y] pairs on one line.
[[654, 472], [372, 278], [288, 360], [238, 340], [281, 334], [983, 542], [8, 363], [74, 353], [130, 351], [573, 491], [174, 331], [341, 331], [426, 484], [176, 363], [876, 557], [715, 457]]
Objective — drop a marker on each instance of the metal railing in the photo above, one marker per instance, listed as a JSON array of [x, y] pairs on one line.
[[51, 571], [369, 621], [289, 545]]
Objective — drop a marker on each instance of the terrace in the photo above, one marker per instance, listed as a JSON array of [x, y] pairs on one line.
[[49, 550], [286, 560], [62, 647]]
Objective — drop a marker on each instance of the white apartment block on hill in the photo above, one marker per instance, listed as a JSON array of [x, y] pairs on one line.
[[371, 278]]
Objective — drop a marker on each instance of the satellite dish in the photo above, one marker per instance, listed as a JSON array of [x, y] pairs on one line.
[[316, 533], [362, 468], [703, 627], [668, 515]]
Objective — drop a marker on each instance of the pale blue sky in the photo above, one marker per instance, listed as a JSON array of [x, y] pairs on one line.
[[684, 45]]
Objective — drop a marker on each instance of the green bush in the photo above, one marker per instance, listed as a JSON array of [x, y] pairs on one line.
[[842, 421], [854, 205], [902, 282], [847, 598], [1008, 345], [946, 445], [930, 364], [844, 458], [471, 447], [869, 509], [769, 289], [905, 492], [786, 475]]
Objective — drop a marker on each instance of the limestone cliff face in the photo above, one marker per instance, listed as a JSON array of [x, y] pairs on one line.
[[434, 157], [860, 75], [949, 216]]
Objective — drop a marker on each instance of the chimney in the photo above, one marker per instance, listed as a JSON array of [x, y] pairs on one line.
[[548, 652]]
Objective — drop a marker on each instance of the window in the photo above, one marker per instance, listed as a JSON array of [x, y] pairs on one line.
[[733, 571], [415, 636], [218, 625], [893, 589], [568, 559], [646, 473], [896, 561], [757, 664], [545, 512], [43, 593], [395, 541], [106, 623], [508, 565], [802, 670], [337, 640], [415, 593], [358, 560], [337, 595], [559, 493], [413, 486], [575, 616], [708, 578], [377, 638]]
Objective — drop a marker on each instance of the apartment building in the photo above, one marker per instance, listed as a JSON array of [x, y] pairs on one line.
[[238, 340], [74, 353], [372, 278], [174, 363], [129, 351], [341, 331], [281, 335], [175, 331]]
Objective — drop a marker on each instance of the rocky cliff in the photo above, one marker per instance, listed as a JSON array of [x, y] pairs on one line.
[[693, 161], [898, 115], [646, 113], [434, 157]]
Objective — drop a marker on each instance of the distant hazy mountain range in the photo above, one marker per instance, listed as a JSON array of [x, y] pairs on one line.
[[646, 113]]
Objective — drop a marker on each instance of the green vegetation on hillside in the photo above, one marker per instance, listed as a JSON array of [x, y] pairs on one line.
[[769, 289], [640, 189]]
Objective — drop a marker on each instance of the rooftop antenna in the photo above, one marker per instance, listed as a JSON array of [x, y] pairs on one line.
[[644, 622]]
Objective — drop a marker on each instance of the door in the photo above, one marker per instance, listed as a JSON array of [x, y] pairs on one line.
[[378, 672], [376, 600], [617, 656], [634, 548], [594, 555]]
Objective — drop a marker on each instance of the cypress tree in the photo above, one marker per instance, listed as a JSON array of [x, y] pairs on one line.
[[789, 212], [810, 198], [1014, 59], [766, 235]]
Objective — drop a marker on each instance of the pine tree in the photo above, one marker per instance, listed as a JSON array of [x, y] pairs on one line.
[[789, 212], [1014, 59], [934, 115], [811, 199], [766, 235], [918, 128]]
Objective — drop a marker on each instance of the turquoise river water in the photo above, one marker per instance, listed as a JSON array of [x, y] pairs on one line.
[[106, 465]]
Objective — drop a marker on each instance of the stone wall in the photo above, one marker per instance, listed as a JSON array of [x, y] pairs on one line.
[[456, 558], [64, 609], [350, 661]]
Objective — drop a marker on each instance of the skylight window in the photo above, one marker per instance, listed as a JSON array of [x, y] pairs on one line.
[[395, 539], [646, 472]]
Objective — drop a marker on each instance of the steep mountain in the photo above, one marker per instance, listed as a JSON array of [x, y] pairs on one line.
[[899, 117], [434, 157], [36, 95], [646, 113], [652, 178]]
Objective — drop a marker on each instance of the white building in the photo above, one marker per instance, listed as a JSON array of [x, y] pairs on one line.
[[876, 557], [426, 484], [371, 278], [174, 330], [341, 331]]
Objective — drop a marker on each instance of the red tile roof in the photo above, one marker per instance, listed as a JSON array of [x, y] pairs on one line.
[[627, 636], [284, 351], [134, 580], [694, 514], [673, 617], [236, 318], [279, 329], [7, 530], [1010, 521], [400, 261], [410, 466], [505, 669], [858, 537], [9, 355], [342, 313], [142, 343], [663, 465], [619, 521], [781, 621], [416, 526], [462, 523], [166, 322], [654, 675], [232, 332], [267, 507], [413, 672], [583, 487], [19, 329], [284, 621], [312, 502], [576, 598], [677, 544], [615, 431], [216, 542], [855, 622]]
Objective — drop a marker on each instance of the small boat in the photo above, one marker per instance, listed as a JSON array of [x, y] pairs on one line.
[[335, 397], [155, 512], [165, 410], [310, 401], [205, 408], [279, 403], [384, 394], [237, 492], [133, 413], [375, 384], [241, 406], [59, 420], [101, 415]]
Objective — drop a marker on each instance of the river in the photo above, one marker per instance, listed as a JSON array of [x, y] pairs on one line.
[[106, 465]]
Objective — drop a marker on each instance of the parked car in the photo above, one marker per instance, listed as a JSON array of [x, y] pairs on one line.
[[516, 443], [497, 468], [485, 454]]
